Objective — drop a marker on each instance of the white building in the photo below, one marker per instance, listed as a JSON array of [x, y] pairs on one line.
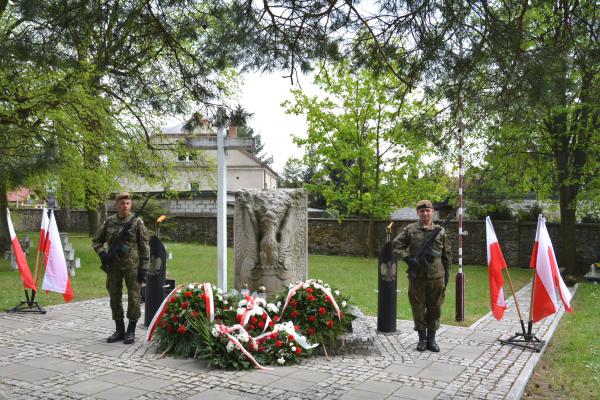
[[194, 175]]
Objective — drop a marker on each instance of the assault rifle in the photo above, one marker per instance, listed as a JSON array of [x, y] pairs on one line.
[[425, 251], [118, 247]]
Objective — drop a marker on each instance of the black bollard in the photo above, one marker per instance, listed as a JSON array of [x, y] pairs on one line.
[[388, 277], [155, 282]]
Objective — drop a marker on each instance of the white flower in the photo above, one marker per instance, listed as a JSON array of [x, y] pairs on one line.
[[293, 348], [292, 345], [219, 291], [215, 332], [278, 304], [305, 285], [344, 304], [230, 346], [273, 308], [225, 302], [243, 336], [220, 297], [281, 361], [337, 292], [326, 285], [190, 286], [319, 281]]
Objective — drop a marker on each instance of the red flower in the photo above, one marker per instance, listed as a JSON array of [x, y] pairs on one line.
[[296, 327], [261, 348], [322, 310], [298, 350], [253, 320], [330, 324], [250, 327], [293, 303], [342, 315], [291, 338], [169, 328], [173, 299], [276, 318], [185, 305], [264, 316], [271, 324], [195, 314], [311, 298], [181, 329], [203, 296], [327, 299], [279, 343], [238, 317], [175, 318], [294, 314], [261, 324], [309, 290], [251, 345], [273, 335], [188, 294], [310, 331], [311, 318]]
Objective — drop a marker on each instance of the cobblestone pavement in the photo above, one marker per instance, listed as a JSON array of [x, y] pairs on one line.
[[64, 355]]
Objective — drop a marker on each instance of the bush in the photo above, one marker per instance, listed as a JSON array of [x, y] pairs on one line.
[[531, 214], [499, 212]]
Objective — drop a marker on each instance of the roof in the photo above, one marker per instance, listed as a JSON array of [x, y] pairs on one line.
[[20, 194]]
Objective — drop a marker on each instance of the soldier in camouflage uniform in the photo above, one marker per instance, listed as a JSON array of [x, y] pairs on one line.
[[428, 276], [129, 264]]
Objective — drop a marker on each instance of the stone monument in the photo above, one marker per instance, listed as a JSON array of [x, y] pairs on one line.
[[270, 238]]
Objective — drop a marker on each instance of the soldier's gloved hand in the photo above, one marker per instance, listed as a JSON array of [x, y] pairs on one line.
[[104, 258], [446, 278], [411, 262], [141, 275]]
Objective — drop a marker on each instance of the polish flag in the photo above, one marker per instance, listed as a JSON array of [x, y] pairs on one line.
[[56, 278], [26, 277], [547, 276], [43, 230], [496, 263]]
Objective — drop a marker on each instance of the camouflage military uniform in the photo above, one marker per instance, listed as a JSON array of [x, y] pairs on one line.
[[426, 288], [124, 266]]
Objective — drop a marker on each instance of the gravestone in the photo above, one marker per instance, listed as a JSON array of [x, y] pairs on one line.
[[10, 254], [270, 237], [69, 252]]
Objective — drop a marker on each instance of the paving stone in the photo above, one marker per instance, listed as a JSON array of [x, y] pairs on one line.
[[421, 393], [119, 393], [362, 395], [291, 384], [441, 371], [90, 386], [214, 394], [120, 377], [403, 369], [377, 387], [311, 376]]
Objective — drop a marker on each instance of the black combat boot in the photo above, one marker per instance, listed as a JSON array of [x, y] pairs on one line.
[[130, 335], [119, 333], [431, 344], [422, 345]]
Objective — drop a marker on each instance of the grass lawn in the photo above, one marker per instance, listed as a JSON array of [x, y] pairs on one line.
[[569, 368], [354, 276]]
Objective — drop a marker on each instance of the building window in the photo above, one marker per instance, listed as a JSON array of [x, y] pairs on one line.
[[186, 157], [194, 186]]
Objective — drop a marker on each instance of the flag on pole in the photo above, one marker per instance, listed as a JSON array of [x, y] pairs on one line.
[[496, 263], [56, 278], [43, 230], [547, 276], [24, 271]]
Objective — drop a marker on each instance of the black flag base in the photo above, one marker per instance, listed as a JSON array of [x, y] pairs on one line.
[[525, 340], [28, 306]]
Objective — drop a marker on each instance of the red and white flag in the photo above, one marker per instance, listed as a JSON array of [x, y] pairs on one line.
[[24, 271], [496, 263], [547, 276], [56, 278], [43, 230]]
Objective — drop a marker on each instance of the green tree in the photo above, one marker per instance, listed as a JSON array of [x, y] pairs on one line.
[[366, 144], [528, 78]]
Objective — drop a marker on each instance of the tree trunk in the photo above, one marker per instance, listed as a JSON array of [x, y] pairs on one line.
[[92, 222], [568, 259], [4, 234]]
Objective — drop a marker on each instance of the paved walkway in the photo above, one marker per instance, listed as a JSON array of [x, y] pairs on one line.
[[64, 355]]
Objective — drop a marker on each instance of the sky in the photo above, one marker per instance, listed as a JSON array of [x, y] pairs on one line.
[[261, 95]]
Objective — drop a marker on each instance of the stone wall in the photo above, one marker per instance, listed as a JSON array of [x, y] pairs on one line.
[[29, 219], [328, 236]]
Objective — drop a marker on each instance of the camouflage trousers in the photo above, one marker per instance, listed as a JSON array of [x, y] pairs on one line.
[[426, 297], [114, 285]]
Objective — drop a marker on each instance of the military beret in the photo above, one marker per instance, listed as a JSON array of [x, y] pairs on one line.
[[123, 195], [424, 204]]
